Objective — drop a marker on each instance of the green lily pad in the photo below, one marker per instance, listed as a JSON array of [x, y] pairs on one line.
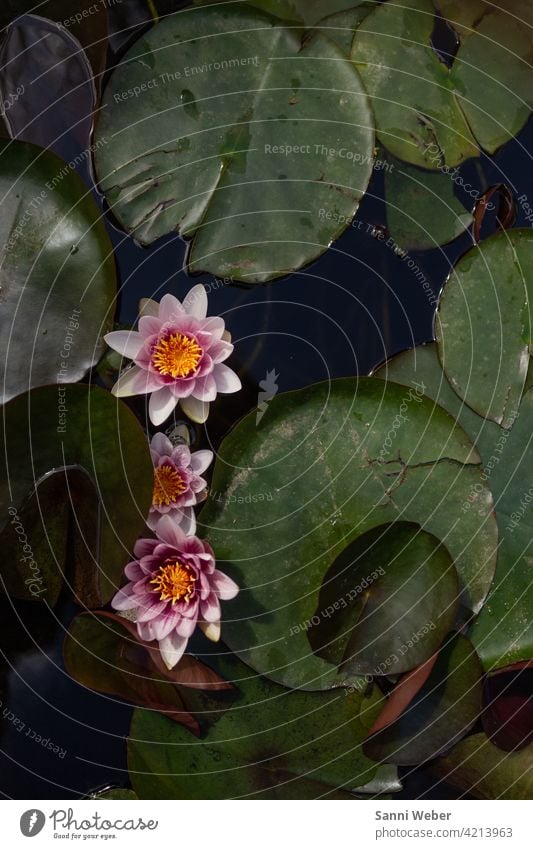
[[483, 326], [90, 29], [442, 712], [184, 149], [341, 26], [297, 745], [401, 593], [422, 209], [492, 72], [503, 631], [57, 432], [55, 92], [58, 274], [418, 116], [306, 12], [462, 15], [477, 767], [327, 464]]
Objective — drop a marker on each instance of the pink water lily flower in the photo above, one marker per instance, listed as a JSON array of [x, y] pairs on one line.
[[177, 482], [173, 587], [178, 355]]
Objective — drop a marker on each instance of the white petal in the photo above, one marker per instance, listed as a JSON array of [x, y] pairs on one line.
[[148, 307], [211, 630], [126, 383], [197, 411], [172, 649], [201, 460], [226, 336], [161, 405], [170, 308], [126, 342], [195, 302], [227, 380], [188, 521]]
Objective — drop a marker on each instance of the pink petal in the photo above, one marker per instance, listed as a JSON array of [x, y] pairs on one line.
[[210, 609], [150, 325], [125, 599], [220, 351], [172, 648], [151, 611], [162, 403], [169, 532], [170, 309], [205, 388], [186, 627], [214, 326], [197, 411], [161, 444], [195, 302], [126, 342], [224, 587], [162, 626], [133, 571], [144, 547], [227, 380]]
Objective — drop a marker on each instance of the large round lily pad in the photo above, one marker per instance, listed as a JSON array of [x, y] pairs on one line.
[[271, 744], [326, 465], [221, 125], [401, 593], [483, 326], [76, 483], [503, 631], [57, 277], [418, 115]]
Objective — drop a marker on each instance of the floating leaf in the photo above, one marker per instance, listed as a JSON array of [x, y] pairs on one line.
[[90, 29], [327, 464], [401, 593], [492, 71], [503, 631], [477, 767], [432, 115], [287, 150], [58, 274], [273, 744], [102, 652], [422, 209], [307, 12], [462, 15], [55, 109], [41, 441], [483, 328], [418, 116], [442, 712]]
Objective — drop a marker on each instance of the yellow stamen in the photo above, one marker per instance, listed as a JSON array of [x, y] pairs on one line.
[[176, 355], [174, 581], [168, 485]]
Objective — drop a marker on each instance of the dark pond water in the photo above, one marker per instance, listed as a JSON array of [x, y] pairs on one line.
[[340, 316]]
